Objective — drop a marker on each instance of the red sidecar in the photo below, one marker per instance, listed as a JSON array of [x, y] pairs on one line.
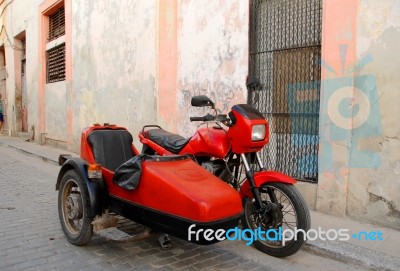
[[173, 192]]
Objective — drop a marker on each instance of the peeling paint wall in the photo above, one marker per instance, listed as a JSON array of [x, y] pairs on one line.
[[359, 162], [17, 18], [338, 55], [374, 192], [213, 56], [114, 64]]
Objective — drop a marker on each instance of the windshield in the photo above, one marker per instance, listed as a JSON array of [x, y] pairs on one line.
[[248, 111]]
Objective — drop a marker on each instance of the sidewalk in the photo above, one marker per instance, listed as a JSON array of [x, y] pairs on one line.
[[378, 255], [46, 153]]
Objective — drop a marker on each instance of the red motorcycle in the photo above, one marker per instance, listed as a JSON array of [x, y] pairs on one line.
[[227, 145]]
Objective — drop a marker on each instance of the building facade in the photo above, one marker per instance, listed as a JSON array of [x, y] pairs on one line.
[[67, 64]]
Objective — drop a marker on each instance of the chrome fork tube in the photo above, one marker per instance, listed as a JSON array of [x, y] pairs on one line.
[[259, 162], [250, 178], [246, 164]]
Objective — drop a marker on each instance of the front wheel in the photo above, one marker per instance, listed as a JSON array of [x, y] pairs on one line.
[[73, 209], [284, 212]]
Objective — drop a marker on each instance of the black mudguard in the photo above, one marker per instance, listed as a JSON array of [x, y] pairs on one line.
[[97, 191]]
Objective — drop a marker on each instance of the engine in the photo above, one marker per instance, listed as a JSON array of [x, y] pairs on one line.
[[219, 169]]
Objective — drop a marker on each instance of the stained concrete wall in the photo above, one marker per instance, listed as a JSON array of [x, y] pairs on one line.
[[213, 56], [55, 108], [374, 191], [17, 18], [337, 54], [114, 64], [359, 160]]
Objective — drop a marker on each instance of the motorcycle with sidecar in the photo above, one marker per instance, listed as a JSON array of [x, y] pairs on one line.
[[228, 146], [168, 193]]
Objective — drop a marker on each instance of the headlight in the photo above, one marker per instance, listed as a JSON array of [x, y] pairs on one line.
[[258, 132]]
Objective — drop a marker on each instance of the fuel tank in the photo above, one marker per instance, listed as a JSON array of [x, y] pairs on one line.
[[209, 141]]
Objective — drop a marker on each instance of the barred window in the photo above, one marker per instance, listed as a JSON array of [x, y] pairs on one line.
[[57, 24], [56, 64], [55, 55]]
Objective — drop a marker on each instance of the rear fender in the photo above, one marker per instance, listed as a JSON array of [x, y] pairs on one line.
[[96, 188], [263, 177]]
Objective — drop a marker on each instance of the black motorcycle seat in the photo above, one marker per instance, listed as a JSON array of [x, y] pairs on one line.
[[172, 142], [111, 148]]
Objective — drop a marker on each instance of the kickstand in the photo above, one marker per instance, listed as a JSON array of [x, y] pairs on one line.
[[165, 242]]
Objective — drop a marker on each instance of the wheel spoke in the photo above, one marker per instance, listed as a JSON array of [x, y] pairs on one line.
[[282, 214], [71, 189], [73, 203]]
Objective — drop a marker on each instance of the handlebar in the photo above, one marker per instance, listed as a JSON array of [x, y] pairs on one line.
[[197, 119], [208, 117]]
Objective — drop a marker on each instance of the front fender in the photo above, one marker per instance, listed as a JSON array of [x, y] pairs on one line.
[[96, 188], [262, 177]]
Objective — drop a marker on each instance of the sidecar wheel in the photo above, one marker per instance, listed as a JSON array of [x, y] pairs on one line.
[[288, 211], [73, 209]]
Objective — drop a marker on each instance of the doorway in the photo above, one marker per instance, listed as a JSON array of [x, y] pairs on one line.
[[285, 54]]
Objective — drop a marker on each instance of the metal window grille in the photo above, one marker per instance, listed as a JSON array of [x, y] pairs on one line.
[[285, 51], [56, 64], [57, 24]]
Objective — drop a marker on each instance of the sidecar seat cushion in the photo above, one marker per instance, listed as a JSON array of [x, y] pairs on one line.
[[111, 148], [172, 142]]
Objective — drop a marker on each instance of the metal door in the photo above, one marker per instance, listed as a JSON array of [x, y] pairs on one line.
[[285, 53]]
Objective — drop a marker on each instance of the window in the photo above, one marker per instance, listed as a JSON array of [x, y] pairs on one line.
[[56, 64], [57, 24], [55, 53]]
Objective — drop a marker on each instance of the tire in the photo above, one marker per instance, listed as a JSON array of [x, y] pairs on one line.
[[74, 209], [289, 211]]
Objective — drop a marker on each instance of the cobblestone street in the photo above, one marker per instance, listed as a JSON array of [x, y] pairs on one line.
[[31, 237]]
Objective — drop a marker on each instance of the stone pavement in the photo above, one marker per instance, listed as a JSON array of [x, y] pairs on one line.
[[31, 237]]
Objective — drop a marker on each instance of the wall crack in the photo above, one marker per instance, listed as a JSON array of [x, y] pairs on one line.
[[393, 212]]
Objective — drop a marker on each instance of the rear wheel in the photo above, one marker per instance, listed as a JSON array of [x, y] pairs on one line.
[[287, 210], [74, 208]]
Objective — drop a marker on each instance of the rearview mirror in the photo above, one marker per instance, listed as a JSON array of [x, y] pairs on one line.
[[201, 101]]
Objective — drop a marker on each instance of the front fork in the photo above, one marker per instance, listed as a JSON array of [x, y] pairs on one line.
[[250, 177]]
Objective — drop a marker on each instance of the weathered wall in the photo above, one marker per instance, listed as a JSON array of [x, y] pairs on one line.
[[19, 19], [32, 70], [55, 108], [374, 190], [114, 64], [338, 55], [126, 68], [359, 162], [213, 55]]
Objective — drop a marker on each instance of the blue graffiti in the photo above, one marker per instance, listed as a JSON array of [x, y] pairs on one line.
[[350, 113]]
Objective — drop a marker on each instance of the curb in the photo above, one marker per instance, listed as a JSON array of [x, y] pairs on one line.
[[349, 253], [46, 159]]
